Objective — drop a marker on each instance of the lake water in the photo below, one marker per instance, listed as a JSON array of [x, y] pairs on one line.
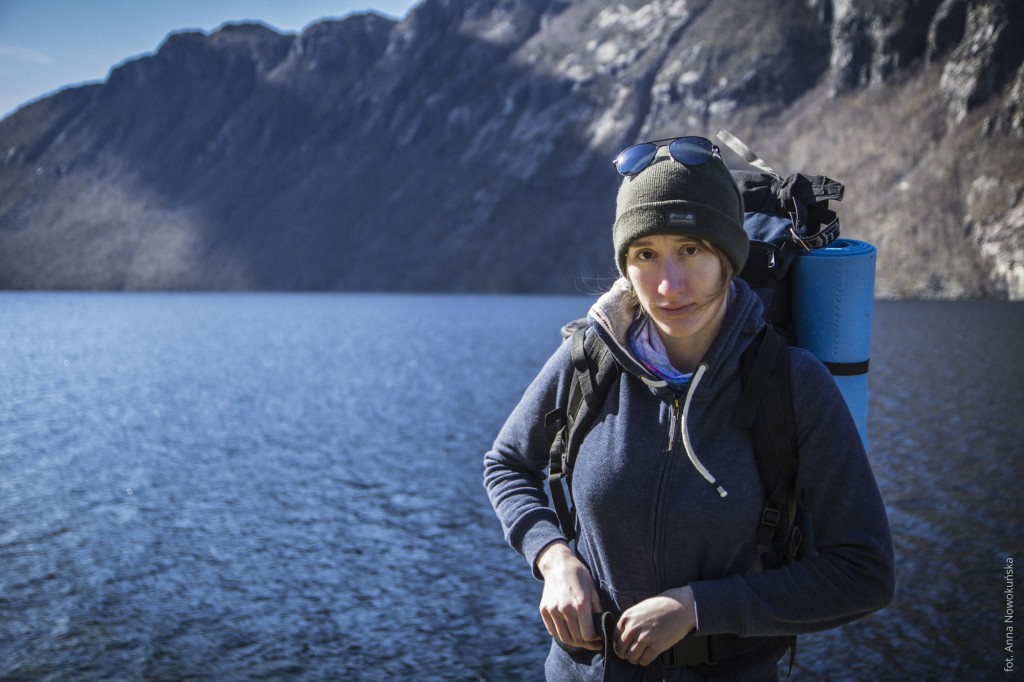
[[288, 486]]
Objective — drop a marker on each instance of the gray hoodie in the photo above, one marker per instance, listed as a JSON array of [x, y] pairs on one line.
[[667, 490]]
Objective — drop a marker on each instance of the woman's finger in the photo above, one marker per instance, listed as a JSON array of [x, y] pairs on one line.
[[635, 652], [549, 622], [576, 621], [556, 625], [621, 644], [648, 657]]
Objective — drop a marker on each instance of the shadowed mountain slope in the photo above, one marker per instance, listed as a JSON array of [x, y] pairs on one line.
[[468, 147]]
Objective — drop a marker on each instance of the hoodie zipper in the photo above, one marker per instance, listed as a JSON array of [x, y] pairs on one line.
[[678, 425]]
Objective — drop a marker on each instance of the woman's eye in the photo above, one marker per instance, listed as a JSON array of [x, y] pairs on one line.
[[644, 254], [691, 250]]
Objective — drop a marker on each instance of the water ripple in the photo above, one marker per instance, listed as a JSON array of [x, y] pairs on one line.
[[249, 487]]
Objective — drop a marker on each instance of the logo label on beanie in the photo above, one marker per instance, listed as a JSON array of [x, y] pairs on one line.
[[681, 219]]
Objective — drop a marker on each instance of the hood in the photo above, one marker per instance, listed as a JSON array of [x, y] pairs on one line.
[[614, 312]]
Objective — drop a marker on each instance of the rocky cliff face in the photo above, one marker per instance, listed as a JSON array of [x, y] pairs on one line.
[[468, 147]]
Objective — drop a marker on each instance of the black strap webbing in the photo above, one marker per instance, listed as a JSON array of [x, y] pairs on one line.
[[594, 373], [768, 392], [847, 369], [765, 348], [766, 407]]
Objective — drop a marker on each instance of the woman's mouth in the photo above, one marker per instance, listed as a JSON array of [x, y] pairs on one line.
[[675, 308]]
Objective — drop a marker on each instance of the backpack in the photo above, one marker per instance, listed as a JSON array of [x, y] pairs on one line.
[[783, 216]]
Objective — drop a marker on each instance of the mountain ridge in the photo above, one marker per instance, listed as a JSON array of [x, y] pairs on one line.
[[468, 146]]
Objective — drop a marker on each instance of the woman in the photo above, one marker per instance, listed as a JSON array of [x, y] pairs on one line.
[[667, 503]]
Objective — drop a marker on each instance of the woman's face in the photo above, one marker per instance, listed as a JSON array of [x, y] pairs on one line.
[[680, 284]]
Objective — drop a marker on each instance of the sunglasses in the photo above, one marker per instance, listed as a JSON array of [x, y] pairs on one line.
[[689, 151]]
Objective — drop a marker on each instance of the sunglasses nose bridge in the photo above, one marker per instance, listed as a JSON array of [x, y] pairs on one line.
[[688, 150]]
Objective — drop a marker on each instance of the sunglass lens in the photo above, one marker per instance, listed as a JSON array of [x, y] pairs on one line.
[[691, 151], [634, 159]]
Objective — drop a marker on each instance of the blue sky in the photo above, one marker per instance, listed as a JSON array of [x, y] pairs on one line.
[[46, 45]]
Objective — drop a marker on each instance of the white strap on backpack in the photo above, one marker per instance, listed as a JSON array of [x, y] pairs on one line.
[[734, 143]]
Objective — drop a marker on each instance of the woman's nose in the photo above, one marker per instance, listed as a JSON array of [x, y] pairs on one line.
[[671, 278]]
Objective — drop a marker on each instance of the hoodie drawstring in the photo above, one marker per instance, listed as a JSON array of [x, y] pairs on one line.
[[686, 433]]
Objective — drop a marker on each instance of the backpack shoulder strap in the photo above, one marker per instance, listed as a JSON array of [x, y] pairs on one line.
[[594, 372], [766, 408]]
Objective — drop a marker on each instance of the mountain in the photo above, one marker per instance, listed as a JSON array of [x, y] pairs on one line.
[[468, 146]]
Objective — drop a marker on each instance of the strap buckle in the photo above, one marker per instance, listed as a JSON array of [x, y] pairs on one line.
[[819, 239], [770, 517]]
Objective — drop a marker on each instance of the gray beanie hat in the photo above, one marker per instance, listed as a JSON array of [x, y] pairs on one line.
[[668, 197]]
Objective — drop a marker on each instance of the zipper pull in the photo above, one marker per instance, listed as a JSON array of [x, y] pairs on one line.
[[675, 420]]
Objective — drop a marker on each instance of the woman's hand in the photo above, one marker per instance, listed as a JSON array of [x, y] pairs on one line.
[[651, 627], [570, 597]]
